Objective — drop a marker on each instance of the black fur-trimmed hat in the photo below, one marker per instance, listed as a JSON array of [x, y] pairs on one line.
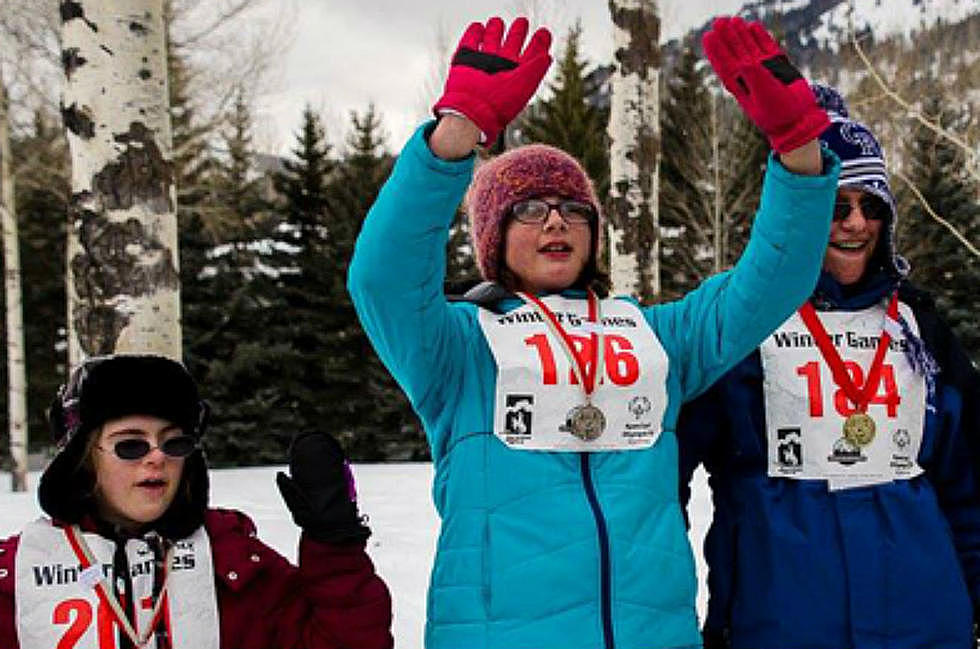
[[108, 387]]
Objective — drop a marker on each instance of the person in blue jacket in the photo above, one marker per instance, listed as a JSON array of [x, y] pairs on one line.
[[549, 408], [845, 506]]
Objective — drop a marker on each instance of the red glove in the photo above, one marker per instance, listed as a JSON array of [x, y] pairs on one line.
[[490, 81], [771, 91]]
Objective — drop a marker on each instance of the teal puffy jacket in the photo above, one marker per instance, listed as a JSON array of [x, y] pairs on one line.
[[561, 550]]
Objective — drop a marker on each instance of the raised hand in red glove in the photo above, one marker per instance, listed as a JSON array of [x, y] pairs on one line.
[[771, 91], [491, 79]]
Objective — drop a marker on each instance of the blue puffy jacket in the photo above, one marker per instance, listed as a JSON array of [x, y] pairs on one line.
[[795, 566], [560, 550]]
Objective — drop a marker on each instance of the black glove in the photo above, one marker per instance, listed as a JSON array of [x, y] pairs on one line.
[[320, 493]]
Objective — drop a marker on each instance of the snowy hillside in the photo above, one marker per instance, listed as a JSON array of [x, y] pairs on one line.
[[823, 24], [395, 497], [890, 18]]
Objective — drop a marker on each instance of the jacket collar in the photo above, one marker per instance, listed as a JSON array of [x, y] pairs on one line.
[[830, 295]]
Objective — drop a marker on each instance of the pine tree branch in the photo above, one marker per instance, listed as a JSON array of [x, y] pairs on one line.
[[925, 204]]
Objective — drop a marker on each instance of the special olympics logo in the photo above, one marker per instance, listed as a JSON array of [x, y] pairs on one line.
[[639, 406], [901, 438]]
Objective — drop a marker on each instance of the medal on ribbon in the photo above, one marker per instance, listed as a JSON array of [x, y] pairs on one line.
[[586, 421], [859, 427]]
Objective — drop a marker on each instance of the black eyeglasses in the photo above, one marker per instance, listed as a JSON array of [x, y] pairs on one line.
[[134, 448], [872, 207], [536, 210]]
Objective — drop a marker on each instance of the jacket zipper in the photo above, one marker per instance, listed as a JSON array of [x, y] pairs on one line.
[[605, 580]]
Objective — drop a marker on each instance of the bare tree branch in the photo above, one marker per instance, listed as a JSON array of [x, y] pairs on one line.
[[970, 166], [946, 224]]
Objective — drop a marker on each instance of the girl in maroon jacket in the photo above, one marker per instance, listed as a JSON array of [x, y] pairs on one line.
[[132, 556]]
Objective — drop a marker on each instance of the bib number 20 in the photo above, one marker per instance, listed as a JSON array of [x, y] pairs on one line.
[[622, 367], [77, 614]]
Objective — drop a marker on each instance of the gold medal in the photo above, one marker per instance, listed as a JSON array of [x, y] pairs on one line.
[[859, 429], [586, 422]]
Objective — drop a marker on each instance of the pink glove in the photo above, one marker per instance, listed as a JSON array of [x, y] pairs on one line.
[[772, 92], [490, 81]]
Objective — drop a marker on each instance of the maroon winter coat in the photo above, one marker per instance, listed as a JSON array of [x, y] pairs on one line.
[[333, 600]]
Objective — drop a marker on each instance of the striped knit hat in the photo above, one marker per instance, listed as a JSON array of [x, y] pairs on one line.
[[862, 163], [863, 168]]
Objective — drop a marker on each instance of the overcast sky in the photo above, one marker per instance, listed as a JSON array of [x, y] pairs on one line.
[[348, 53]]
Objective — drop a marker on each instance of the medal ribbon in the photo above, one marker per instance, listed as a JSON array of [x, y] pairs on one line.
[[91, 575], [860, 397], [588, 381]]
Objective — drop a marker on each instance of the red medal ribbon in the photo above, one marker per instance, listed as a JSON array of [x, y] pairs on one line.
[[587, 379], [862, 396]]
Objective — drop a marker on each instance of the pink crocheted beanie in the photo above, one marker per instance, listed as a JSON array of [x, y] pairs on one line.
[[524, 172]]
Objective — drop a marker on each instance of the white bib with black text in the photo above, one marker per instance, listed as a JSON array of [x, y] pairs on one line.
[[806, 410], [537, 388], [55, 610]]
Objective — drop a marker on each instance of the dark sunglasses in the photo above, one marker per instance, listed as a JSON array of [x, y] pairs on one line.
[[134, 448], [536, 210], [872, 208]]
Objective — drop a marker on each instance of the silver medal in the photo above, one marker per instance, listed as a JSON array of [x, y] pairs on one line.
[[585, 422]]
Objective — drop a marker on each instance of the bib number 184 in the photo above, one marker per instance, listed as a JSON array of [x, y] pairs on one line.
[[886, 393]]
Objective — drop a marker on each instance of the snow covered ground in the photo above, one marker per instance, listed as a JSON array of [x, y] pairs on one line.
[[396, 497]]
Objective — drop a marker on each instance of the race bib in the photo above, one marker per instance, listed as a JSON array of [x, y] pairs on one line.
[[806, 410], [537, 391], [57, 606]]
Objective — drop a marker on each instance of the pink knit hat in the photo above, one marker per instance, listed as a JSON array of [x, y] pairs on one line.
[[524, 172]]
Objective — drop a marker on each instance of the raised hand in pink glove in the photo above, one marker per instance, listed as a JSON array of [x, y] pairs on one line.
[[771, 91], [490, 78]]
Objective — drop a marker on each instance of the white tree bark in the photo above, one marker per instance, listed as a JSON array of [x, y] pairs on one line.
[[16, 372], [123, 281], [634, 132]]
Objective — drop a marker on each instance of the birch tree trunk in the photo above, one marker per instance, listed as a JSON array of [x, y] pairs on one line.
[[634, 133], [16, 373], [123, 281]]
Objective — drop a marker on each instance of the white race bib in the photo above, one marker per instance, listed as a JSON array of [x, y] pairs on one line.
[[806, 410], [537, 389], [57, 606]]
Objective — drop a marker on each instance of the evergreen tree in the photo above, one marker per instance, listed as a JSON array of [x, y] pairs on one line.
[[303, 320], [461, 271], [41, 197], [711, 170], [379, 421], [940, 263], [244, 369], [571, 118]]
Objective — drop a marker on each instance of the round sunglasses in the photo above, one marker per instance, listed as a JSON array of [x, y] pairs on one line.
[[872, 208], [134, 448], [535, 211]]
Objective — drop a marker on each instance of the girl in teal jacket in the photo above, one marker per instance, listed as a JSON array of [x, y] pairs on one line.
[[550, 410]]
